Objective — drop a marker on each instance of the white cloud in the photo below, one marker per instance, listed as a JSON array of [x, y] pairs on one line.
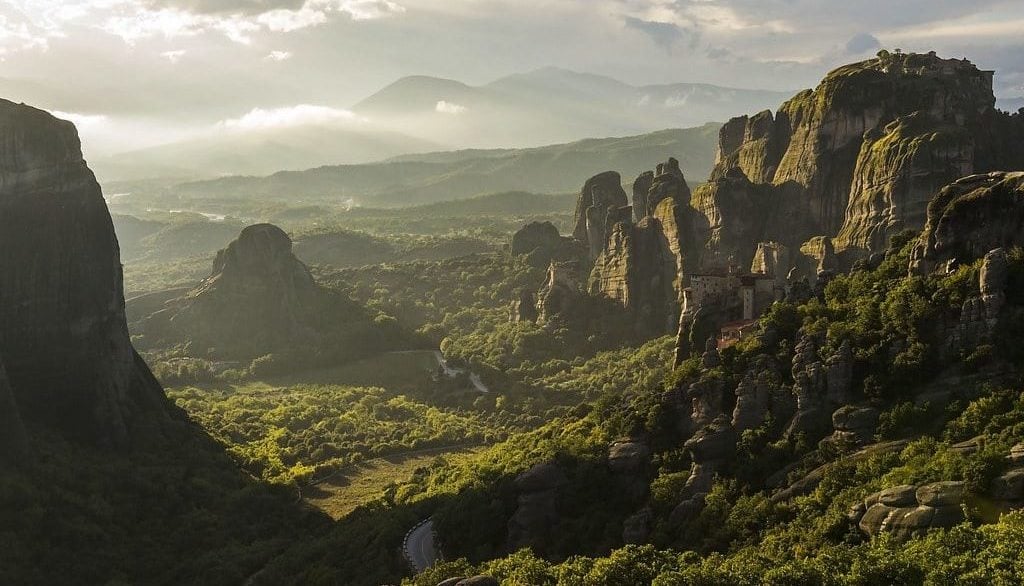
[[445, 107], [286, 21], [82, 121], [173, 56], [134, 20], [300, 115], [279, 56], [961, 28]]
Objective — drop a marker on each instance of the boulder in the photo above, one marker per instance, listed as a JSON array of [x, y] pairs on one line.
[[898, 496], [945, 493], [628, 457], [1016, 455], [540, 477], [1009, 486]]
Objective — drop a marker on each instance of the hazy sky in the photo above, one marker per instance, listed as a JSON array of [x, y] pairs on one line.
[[136, 72]]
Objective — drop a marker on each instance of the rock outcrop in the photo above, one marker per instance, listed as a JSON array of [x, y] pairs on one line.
[[641, 264], [536, 511], [259, 299], [523, 308], [970, 217], [63, 337], [908, 511], [857, 158], [600, 193], [541, 243], [629, 460], [560, 292]]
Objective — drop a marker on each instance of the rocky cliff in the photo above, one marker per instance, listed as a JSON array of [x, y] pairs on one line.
[[859, 156], [63, 337], [641, 264], [970, 217]]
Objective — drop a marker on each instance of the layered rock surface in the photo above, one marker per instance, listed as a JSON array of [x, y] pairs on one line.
[[970, 217], [641, 264], [858, 157], [63, 336]]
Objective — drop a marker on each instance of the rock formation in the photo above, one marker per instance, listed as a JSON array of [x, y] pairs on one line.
[[13, 438], [541, 243], [559, 293], [970, 217], [711, 449], [536, 512], [641, 264], [523, 308], [858, 157], [907, 511], [979, 315], [599, 193], [259, 299], [752, 402], [63, 337], [629, 460]]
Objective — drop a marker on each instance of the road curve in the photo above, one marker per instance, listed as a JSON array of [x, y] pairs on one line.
[[419, 546]]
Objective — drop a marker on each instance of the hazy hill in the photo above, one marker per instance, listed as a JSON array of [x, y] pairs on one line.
[[263, 151], [420, 114], [551, 105], [432, 177]]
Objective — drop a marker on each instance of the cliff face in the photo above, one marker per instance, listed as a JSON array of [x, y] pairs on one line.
[[971, 217], [641, 264], [601, 194], [63, 337], [859, 157]]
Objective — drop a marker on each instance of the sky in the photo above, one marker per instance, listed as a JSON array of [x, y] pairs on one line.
[[133, 73]]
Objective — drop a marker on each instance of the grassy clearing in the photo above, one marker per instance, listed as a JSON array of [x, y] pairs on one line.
[[361, 483]]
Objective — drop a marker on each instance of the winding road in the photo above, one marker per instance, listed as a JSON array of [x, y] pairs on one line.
[[419, 546], [452, 372]]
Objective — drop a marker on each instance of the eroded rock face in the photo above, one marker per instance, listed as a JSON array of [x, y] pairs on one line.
[[859, 157], [523, 308], [599, 193], [13, 439], [63, 337], [641, 265], [560, 291], [969, 218]]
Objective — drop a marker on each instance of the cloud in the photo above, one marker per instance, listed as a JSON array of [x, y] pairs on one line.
[[445, 107], [173, 56], [299, 115], [862, 43], [664, 34], [279, 56], [248, 7], [82, 121]]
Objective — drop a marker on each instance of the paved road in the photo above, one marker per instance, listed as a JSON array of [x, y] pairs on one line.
[[451, 372], [419, 546]]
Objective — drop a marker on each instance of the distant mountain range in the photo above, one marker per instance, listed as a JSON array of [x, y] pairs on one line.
[[420, 114], [552, 105], [441, 176]]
